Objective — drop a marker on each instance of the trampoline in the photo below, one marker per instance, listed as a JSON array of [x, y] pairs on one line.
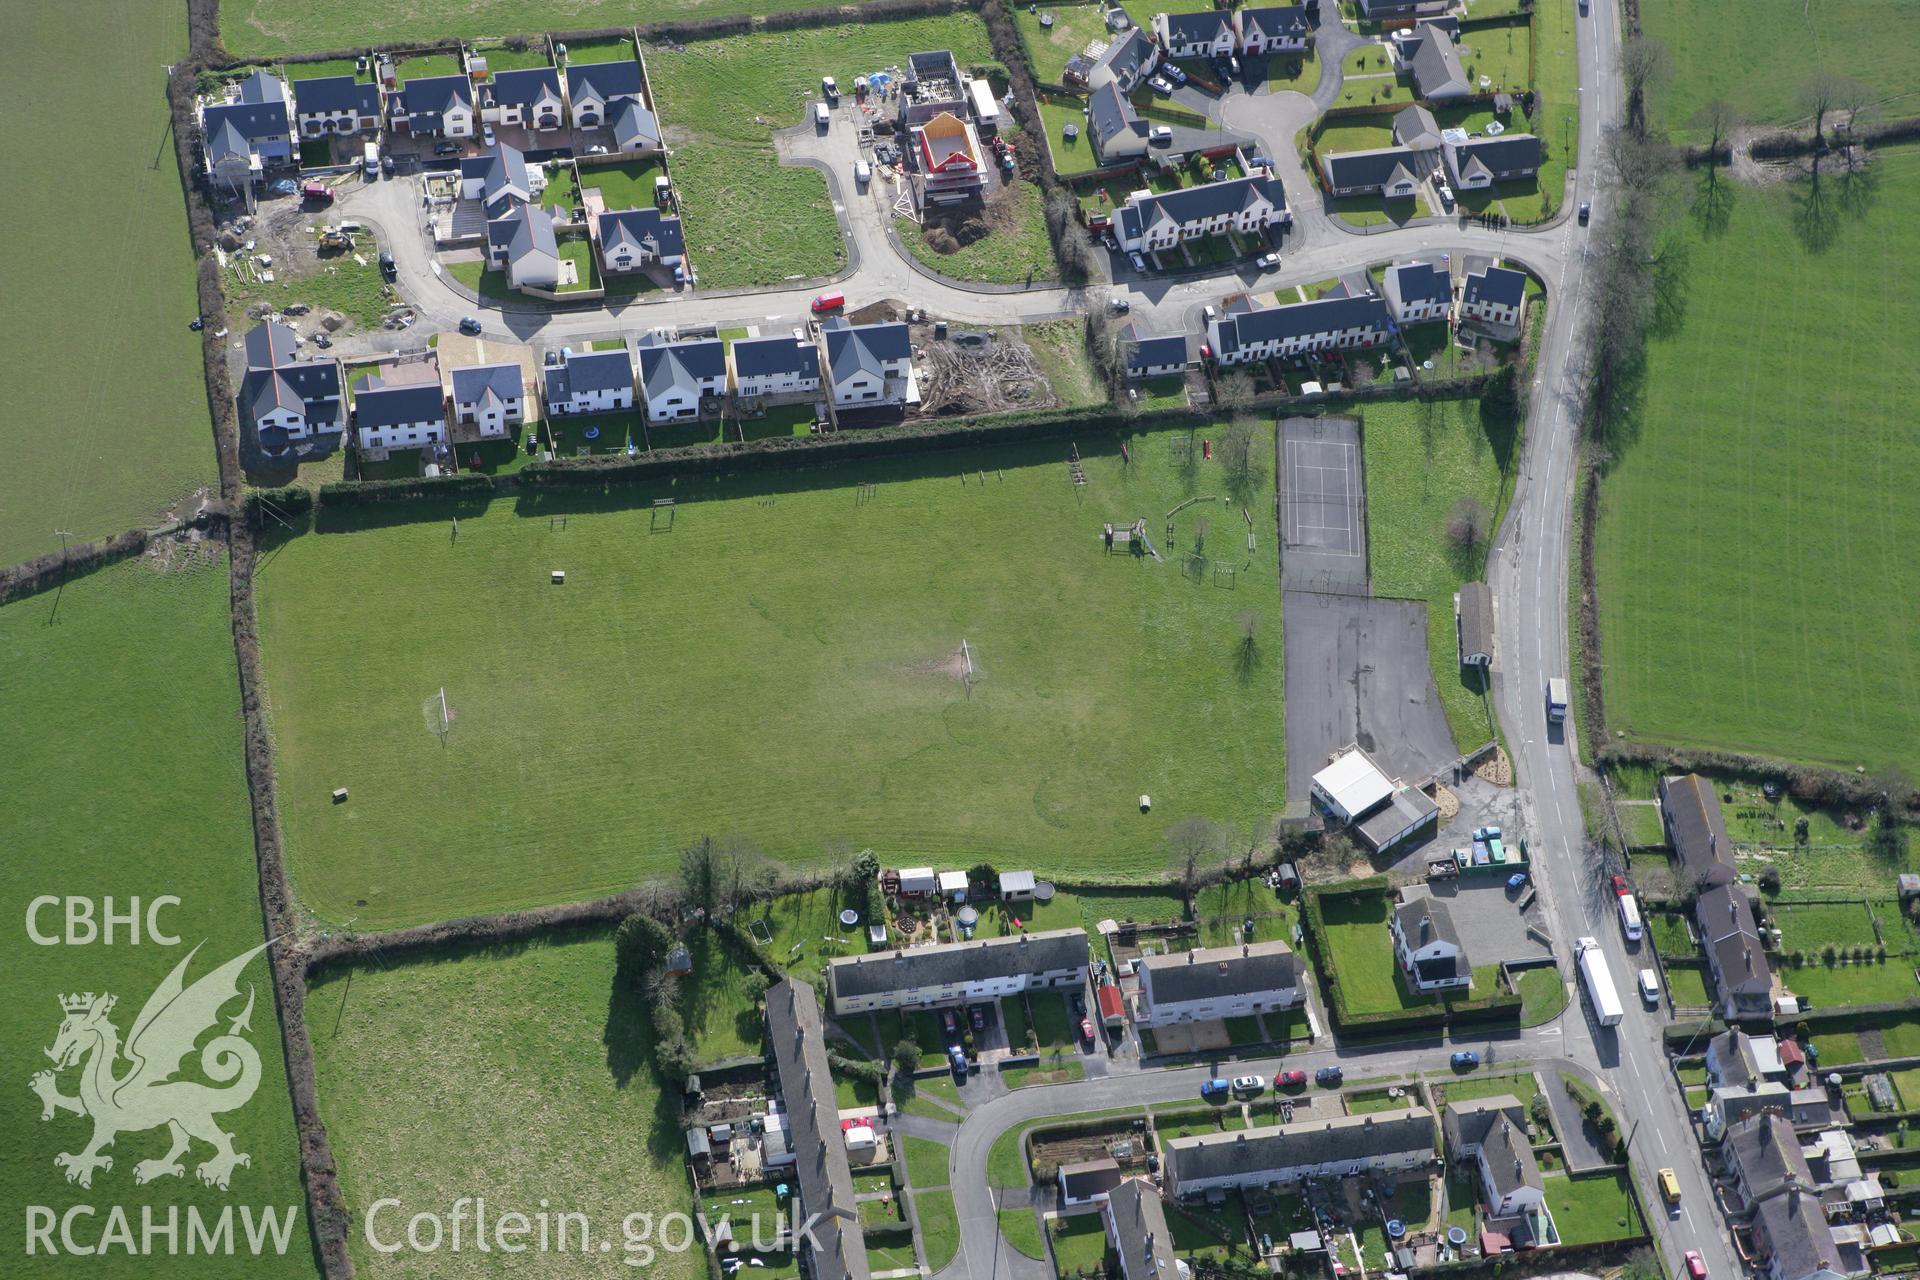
[[591, 433]]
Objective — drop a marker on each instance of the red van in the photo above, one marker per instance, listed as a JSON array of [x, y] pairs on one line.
[[829, 302], [316, 191]]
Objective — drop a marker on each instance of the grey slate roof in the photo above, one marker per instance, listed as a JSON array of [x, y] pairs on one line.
[[1087, 1178], [378, 405], [1144, 352], [1277, 21], [1797, 1236], [957, 962], [1766, 1151], [1436, 62], [1380, 167], [586, 371], [838, 1249], [1110, 114], [270, 343], [427, 98], [276, 377], [852, 348], [1139, 1221], [604, 80], [1725, 917], [634, 125], [326, 94], [1415, 127], [760, 357], [251, 120], [226, 140], [1196, 28], [668, 366], [1509, 1157], [1300, 320], [1502, 286], [1466, 1124], [1276, 1149], [1217, 972], [524, 86], [1128, 56], [1419, 282], [1508, 153], [472, 383], [638, 226], [1200, 203], [1698, 829], [262, 87], [1425, 920], [503, 173], [523, 229], [1476, 619]]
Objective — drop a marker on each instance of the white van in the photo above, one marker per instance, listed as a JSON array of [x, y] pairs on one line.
[[821, 116], [1630, 917], [1650, 986]]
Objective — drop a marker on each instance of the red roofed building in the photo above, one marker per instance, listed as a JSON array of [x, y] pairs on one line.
[[950, 163], [1113, 1006]]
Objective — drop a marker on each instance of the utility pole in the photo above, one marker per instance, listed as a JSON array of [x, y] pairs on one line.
[[53, 616]]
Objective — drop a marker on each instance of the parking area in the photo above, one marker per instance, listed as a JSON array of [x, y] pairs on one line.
[[1487, 914], [1323, 507]]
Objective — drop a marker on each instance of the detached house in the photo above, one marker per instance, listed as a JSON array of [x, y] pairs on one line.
[[1477, 163], [251, 131], [870, 364], [335, 104], [1392, 172], [635, 129], [528, 97], [588, 381], [952, 973], [1148, 357], [1127, 61], [406, 415], [676, 376], [1219, 982], [521, 242], [1494, 296], [1492, 1134], [1418, 292], [496, 179], [1116, 130], [1428, 947], [635, 239], [1149, 223], [1280, 29], [1208, 34], [1326, 324], [596, 90], [290, 404], [435, 107], [492, 397], [951, 169], [1430, 57], [783, 365]]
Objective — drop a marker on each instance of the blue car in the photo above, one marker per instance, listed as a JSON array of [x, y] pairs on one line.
[[1516, 880], [1466, 1059], [1215, 1088]]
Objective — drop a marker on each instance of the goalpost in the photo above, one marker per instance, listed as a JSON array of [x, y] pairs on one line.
[[439, 719]]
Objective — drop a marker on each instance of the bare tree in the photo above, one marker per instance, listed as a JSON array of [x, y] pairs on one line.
[[1816, 99], [1071, 243], [1236, 454], [1233, 391], [1859, 104], [1645, 68], [1717, 120], [1190, 842], [1467, 525]]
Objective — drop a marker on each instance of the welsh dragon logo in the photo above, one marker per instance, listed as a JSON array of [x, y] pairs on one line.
[[148, 1094]]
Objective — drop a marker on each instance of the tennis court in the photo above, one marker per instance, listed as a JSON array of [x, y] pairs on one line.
[[1323, 523]]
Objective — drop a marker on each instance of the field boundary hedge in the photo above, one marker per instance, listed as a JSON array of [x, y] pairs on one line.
[[57, 568]]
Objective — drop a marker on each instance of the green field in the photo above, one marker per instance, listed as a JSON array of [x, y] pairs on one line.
[[524, 1079], [1020, 254], [1757, 53], [750, 220], [1423, 457], [771, 668], [123, 433], [1754, 570], [1048, 49], [131, 784]]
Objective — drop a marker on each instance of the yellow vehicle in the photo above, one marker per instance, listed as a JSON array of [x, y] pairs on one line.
[[1669, 1187]]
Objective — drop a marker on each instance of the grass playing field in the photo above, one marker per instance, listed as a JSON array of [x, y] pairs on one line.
[[1755, 572], [780, 666], [526, 1083], [106, 421], [751, 220], [130, 784]]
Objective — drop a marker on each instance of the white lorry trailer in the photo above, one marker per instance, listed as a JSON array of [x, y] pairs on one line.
[[1599, 982]]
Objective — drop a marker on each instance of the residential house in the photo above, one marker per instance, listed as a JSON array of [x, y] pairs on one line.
[[1207, 34], [1509, 1176], [636, 130], [832, 1243], [1382, 10], [1127, 62], [1326, 324], [1384, 1142], [495, 179], [676, 376], [1088, 1181], [1151, 222], [596, 90], [1697, 831], [785, 364], [1474, 164], [1728, 1105], [635, 239], [1393, 173], [289, 403], [1149, 357], [1415, 129], [529, 97], [1473, 624], [1276, 29], [251, 131], [1735, 1058], [588, 381], [492, 397], [405, 415], [1208, 984], [1418, 292], [521, 242], [933, 87], [1429, 55], [1429, 948], [1763, 1153], [435, 107], [1136, 1223], [1494, 296], [1835, 1164], [1742, 973], [1793, 1241], [335, 104], [958, 972], [951, 168], [1115, 128], [870, 364]]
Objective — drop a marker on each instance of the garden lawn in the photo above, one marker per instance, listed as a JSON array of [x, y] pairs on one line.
[[1556, 84], [1049, 49], [848, 736], [1687, 986], [1824, 986], [1362, 948], [1022, 1231], [939, 1226], [721, 1015], [97, 677], [1079, 1243], [1773, 450], [1070, 155], [122, 434], [1670, 936], [1370, 79], [627, 185], [1423, 458], [1142, 906], [1500, 53], [1021, 253], [927, 1163], [1463, 1088], [1543, 994], [500, 58], [749, 220], [1591, 1210], [1809, 926], [1050, 1070]]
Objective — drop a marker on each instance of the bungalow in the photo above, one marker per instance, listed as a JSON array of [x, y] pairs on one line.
[[676, 376], [1428, 946], [1494, 296], [597, 88], [521, 242], [1476, 163], [250, 131], [1088, 1181], [950, 166], [495, 179], [1326, 324], [634, 239], [635, 129], [588, 381], [406, 415], [526, 96], [335, 104], [870, 364], [1207, 34], [782, 365], [1390, 172], [1150, 222], [1698, 833], [288, 401], [1136, 1223], [1279, 29], [1147, 357], [1207, 984], [1386, 1142], [952, 973], [1429, 55], [1418, 292], [435, 106], [492, 397], [1114, 127], [1127, 61]]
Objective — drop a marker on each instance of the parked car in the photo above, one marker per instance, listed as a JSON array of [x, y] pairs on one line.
[[1249, 1085], [1650, 986], [1619, 884], [978, 1017], [470, 326], [1162, 135], [1290, 1080], [1268, 262], [386, 165], [1078, 1001], [1174, 73], [1586, 216], [1696, 1265], [1215, 1088], [948, 1022], [831, 89], [1517, 881], [1119, 306], [828, 302], [316, 191], [1139, 263], [958, 1061], [1329, 1076], [862, 172], [447, 148], [1669, 1187], [1161, 85], [822, 117], [386, 265], [487, 135], [1086, 1030], [596, 150], [1465, 1059]]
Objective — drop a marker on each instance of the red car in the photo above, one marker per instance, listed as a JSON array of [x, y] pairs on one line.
[[1086, 1030], [1696, 1265], [1291, 1080], [1620, 885], [829, 302]]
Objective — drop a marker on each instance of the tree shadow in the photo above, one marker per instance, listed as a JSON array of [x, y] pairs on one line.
[[1713, 203], [1859, 188], [1670, 268], [628, 1034], [1247, 659], [1816, 213]]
